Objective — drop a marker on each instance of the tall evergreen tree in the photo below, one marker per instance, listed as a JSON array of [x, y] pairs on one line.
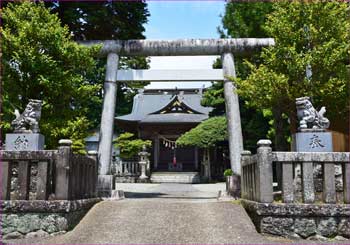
[[41, 61], [107, 20], [241, 20], [102, 19], [309, 37]]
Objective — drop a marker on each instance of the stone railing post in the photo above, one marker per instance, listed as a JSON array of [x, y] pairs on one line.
[[346, 182], [93, 173], [5, 181], [63, 165], [264, 181], [245, 159]]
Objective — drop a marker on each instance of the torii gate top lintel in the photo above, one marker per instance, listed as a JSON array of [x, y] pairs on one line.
[[227, 48], [181, 47]]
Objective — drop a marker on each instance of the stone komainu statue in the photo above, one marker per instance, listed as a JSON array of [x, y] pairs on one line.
[[308, 116], [28, 121]]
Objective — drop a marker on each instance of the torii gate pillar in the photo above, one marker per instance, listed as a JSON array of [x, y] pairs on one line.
[[105, 179], [233, 116]]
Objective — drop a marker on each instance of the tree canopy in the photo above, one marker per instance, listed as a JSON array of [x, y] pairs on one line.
[[129, 146], [41, 61], [245, 19], [100, 20], [241, 20], [206, 134], [309, 37]]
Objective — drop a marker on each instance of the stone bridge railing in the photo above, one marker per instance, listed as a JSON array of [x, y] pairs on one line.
[[257, 174], [127, 168], [60, 174], [306, 208], [45, 192]]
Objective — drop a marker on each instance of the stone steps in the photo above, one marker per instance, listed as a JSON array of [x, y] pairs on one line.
[[175, 177]]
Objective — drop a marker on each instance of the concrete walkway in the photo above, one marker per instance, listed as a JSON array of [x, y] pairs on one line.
[[164, 214], [172, 192]]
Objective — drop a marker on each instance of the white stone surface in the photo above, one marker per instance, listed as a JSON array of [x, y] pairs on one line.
[[171, 75], [169, 177]]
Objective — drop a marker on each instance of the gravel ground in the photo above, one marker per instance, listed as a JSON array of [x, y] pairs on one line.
[[165, 214]]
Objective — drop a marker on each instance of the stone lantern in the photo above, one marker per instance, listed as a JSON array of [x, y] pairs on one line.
[[144, 155]]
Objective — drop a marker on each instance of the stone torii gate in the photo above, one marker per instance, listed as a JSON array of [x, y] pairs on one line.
[[227, 48]]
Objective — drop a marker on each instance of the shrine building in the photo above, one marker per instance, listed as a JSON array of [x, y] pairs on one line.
[[163, 115]]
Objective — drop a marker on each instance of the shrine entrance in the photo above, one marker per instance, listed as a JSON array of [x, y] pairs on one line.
[[177, 159], [162, 116], [227, 48]]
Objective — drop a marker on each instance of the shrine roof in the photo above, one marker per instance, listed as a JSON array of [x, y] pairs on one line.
[[175, 117], [148, 104]]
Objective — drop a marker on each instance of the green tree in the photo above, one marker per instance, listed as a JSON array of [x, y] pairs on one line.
[[254, 124], [101, 20], [245, 19], [206, 135], [130, 146], [241, 20], [313, 35], [41, 61]]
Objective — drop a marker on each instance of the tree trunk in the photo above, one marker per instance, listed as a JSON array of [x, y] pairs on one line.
[[293, 122], [1, 84], [209, 165], [206, 161], [281, 143]]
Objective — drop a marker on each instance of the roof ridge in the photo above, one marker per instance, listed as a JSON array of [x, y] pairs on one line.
[[172, 101]]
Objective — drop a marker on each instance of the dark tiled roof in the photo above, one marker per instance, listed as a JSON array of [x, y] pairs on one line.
[[174, 117], [147, 103]]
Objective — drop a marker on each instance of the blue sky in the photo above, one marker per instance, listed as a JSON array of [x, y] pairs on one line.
[[183, 19]]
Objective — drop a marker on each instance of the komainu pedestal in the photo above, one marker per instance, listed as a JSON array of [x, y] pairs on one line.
[[24, 142], [313, 141]]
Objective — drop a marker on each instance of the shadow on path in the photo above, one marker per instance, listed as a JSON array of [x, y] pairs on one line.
[[175, 196]]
